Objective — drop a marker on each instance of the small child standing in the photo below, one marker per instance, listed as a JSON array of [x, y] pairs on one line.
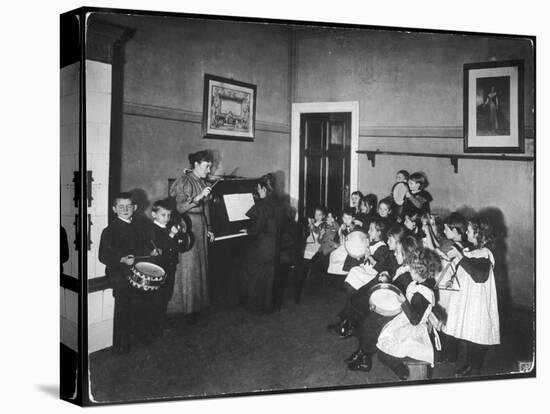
[[417, 199], [454, 229], [120, 242], [169, 242], [402, 176], [472, 314]]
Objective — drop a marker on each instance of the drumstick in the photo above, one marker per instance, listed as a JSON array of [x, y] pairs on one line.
[[154, 245], [141, 257]]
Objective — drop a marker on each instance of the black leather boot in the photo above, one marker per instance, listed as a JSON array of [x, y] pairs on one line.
[[346, 329], [353, 357], [362, 363]]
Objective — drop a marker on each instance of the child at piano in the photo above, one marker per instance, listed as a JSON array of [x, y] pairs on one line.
[[407, 335], [472, 314], [417, 199]]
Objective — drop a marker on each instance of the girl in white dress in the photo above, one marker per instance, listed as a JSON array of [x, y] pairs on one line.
[[472, 314], [369, 322], [407, 334]]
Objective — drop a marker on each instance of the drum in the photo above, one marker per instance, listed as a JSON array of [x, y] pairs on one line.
[[146, 276], [356, 244], [398, 193], [386, 299]]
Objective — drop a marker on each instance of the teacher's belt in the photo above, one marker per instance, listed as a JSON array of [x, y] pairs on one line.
[[199, 212]]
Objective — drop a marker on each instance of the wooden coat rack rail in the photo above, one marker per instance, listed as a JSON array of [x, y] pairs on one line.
[[371, 156]]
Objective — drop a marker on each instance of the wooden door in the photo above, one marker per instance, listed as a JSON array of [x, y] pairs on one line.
[[325, 140]]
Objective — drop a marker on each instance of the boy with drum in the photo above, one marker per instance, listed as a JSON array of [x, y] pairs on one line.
[[120, 243]]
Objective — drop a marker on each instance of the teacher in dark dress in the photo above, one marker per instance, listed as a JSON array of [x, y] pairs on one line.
[[261, 255], [191, 193]]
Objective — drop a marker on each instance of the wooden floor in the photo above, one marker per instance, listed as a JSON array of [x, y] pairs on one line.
[[231, 351]]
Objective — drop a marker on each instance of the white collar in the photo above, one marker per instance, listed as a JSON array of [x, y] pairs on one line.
[[163, 226], [124, 220]]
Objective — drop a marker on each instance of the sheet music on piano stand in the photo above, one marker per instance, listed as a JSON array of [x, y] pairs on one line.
[[230, 200], [237, 205]]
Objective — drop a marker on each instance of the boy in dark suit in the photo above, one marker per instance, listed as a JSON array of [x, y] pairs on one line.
[[120, 242], [169, 242]]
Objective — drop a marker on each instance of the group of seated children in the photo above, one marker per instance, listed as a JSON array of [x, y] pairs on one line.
[[325, 249], [139, 315], [443, 265]]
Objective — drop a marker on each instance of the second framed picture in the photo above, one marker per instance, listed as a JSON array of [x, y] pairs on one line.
[[229, 110], [493, 107]]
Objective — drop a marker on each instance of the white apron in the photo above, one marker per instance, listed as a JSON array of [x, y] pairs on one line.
[[336, 261], [312, 242], [447, 285], [359, 276], [472, 312], [402, 339]]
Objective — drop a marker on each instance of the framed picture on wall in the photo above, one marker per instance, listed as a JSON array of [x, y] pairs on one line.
[[493, 107], [229, 110]]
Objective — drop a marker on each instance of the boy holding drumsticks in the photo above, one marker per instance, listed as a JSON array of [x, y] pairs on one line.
[[120, 243]]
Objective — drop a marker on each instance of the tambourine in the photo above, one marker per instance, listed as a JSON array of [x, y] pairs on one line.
[[398, 193], [386, 299]]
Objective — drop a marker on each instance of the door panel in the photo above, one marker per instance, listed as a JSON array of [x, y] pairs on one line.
[[335, 183], [324, 161], [314, 182], [314, 134]]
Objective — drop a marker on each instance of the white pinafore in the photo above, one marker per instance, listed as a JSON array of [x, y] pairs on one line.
[[402, 339], [472, 312]]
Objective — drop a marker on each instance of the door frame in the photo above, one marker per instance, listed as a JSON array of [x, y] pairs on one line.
[[318, 107]]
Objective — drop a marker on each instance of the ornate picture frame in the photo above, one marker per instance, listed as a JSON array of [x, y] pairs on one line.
[[493, 107], [229, 110]]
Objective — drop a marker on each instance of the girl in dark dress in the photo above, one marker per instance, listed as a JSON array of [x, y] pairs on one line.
[[261, 255], [417, 199]]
